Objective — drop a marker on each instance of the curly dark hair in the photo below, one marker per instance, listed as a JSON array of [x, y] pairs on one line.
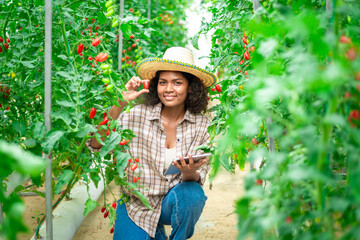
[[196, 100]]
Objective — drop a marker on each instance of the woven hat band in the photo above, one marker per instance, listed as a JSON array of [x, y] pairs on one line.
[[179, 54]]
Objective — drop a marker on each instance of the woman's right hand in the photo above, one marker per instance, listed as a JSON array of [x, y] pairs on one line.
[[131, 86]]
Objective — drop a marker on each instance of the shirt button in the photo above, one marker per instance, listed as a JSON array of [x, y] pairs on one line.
[[178, 139]]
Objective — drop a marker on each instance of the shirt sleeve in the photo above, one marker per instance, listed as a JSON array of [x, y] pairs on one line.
[[204, 169]]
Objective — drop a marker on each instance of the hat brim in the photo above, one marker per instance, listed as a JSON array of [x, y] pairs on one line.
[[147, 68]]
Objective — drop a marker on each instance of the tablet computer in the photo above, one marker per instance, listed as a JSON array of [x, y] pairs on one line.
[[174, 170]]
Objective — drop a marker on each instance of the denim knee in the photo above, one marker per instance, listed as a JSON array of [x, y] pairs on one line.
[[190, 195]]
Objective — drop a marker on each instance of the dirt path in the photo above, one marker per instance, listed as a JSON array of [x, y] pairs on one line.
[[218, 220]]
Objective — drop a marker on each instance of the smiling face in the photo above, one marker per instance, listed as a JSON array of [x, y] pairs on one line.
[[172, 89]]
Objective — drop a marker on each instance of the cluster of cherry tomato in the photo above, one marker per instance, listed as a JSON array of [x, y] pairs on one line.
[[351, 54], [132, 52], [4, 43]]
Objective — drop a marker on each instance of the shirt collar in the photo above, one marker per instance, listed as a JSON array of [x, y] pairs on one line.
[[156, 114]]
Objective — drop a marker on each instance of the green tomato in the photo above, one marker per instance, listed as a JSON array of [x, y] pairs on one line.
[[107, 71], [104, 66], [110, 13], [105, 80], [109, 87], [111, 61], [115, 24], [108, 3], [112, 7], [122, 66]]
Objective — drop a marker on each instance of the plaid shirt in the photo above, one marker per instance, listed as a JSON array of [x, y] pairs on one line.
[[149, 146]]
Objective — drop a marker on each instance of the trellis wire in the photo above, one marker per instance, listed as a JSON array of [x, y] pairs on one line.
[[48, 171], [149, 9]]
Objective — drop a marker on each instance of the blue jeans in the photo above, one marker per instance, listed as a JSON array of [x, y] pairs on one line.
[[181, 208]]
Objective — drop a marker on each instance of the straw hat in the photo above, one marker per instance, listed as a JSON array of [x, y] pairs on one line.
[[174, 59]]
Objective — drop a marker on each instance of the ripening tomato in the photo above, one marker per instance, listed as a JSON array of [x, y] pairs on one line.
[[259, 182], [254, 141], [354, 114], [252, 49], [133, 45]]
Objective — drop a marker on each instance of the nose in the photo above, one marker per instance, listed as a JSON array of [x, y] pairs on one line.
[[169, 87]]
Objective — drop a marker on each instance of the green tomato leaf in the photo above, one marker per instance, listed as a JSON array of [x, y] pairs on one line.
[[110, 142], [89, 206], [64, 179], [126, 30], [63, 115], [51, 139]]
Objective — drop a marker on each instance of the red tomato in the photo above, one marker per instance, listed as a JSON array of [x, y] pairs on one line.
[[245, 40], [1, 49], [113, 205], [123, 142], [347, 95], [90, 58], [8, 40], [80, 48], [246, 55], [351, 54], [146, 85], [92, 112], [104, 121], [254, 141], [103, 209], [112, 230], [106, 214], [136, 160], [132, 36], [252, 49], [6, 46], [218, 88], [354, 114], [344, 39], [101, 57], [133, 45], [1, 39], [95, 42], [259, 182], [108, 132], [133, 167]]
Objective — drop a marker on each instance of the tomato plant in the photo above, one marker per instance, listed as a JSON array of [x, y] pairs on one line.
[[85, 76], [296, 91]]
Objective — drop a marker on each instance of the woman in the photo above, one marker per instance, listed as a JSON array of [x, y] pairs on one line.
[[169, 124]]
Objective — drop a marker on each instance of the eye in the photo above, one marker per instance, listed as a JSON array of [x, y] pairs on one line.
[[178, 83], [162, 83]]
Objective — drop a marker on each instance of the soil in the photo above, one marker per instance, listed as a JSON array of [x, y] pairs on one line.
[[218, 220]]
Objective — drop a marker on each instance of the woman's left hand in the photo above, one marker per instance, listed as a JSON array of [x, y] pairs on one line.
[[188, 170]]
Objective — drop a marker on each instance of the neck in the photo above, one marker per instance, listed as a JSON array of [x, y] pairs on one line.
[[173, 113]]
